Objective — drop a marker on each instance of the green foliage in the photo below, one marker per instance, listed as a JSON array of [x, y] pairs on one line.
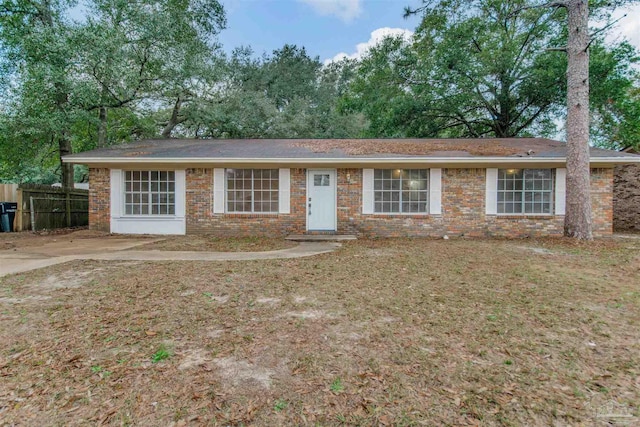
[[161, 354], [473, 69], [102, 73], [284, 95], [153, 68], [615, 96], [280, 405], [337, 386], [484, 68]]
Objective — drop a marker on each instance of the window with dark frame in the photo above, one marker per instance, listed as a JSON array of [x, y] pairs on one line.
[[252, 190], [525, 191], [149, 193], [401, 190]]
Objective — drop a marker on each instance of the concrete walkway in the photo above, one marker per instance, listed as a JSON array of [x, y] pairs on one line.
[[30, 258]]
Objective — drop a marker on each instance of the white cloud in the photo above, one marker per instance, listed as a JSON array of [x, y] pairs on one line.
[[376, 37], [346, 10], [629, 26]]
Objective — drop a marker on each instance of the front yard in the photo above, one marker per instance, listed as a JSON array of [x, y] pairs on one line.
[[389, 332]]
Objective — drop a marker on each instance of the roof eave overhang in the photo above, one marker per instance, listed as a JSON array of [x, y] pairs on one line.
[[451, 162]]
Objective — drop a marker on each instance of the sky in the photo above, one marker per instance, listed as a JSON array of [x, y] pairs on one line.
[[331, 29], [326, 28]]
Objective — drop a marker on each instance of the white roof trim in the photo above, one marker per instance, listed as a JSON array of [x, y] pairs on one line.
[[340, 160]]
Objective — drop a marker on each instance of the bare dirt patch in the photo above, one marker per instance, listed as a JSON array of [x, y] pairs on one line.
[[25, 239], [241, 372], [404, 332], [218, 244], [194, 358]]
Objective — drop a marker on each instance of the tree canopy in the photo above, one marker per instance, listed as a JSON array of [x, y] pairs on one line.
[[154, 68], [488, 68]]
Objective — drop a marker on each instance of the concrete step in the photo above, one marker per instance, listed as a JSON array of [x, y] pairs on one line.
[[320, 237]]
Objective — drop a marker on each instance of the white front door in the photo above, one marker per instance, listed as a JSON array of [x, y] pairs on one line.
[[321, 200]]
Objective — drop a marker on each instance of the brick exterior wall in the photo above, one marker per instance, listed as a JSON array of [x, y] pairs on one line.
[[463, 209], [463, 214], [99, 199], [201, 219], [626, 197], [602, 201]]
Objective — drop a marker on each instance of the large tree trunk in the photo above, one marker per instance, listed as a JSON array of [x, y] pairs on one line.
[[45, 15], [102, 127], [66, 169], [578, 207]]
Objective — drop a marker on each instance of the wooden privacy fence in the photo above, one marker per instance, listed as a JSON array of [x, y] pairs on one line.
[[8, 193], [44, 207]]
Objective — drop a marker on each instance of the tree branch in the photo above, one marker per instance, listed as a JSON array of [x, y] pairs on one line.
[[552, 4], [605, 28]]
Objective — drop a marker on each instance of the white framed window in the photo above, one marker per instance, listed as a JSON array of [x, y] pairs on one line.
[[149, 192], [252, 190], [525, 191], [401, 190]]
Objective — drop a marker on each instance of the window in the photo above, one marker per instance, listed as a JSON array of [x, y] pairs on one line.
[[252, 190], [525, 191], [401, 191], [149, 193], [321, 180]]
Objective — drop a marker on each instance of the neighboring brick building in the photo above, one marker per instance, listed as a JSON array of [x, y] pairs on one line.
[[419, 187], [626, 196]]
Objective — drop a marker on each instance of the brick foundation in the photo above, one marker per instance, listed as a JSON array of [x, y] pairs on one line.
[[463, 209]]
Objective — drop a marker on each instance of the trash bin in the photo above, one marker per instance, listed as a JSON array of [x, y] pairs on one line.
[[7, 215]]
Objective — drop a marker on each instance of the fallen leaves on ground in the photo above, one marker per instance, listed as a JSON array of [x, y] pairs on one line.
[[380, 332]]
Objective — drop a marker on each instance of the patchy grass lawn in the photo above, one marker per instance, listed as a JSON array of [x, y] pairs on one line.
[[162, 243], [390, 332], [217, 244]]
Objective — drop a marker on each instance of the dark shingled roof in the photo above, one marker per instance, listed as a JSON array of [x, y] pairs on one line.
[[354, 149]]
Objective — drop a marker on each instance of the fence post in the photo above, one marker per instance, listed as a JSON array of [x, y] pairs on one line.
[[20, 210], [33, 214], [67, 196]]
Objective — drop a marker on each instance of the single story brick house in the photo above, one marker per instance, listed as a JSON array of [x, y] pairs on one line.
[[370, 187]]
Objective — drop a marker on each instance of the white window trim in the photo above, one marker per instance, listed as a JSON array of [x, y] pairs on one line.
[[117, 193], [435, 191], [491, 191], [434, 195], [220, 193], [284, 190], [557, 204], [561, 191], [118, 177], [146, 224], [367, 192]]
